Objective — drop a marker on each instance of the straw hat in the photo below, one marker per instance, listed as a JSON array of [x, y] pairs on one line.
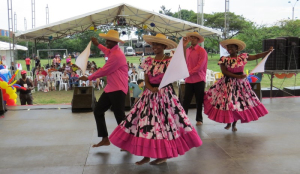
[[160, 38], [111, 35], [241, 45], [196, 34]]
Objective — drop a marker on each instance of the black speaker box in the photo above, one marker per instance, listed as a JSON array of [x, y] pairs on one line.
[[83, 99], [181, 90], [292, 52], [278, 59], [2, 105]]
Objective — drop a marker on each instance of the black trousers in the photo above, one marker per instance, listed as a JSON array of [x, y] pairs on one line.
[[26, 98], [198, 90], [116, 100], [28, 67]]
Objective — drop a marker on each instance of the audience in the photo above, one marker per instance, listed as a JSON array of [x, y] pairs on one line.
[[41, 80]]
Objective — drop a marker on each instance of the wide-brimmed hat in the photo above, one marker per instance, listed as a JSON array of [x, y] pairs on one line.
[[160, 38], [241, 45], [196, 34], [111, 35]]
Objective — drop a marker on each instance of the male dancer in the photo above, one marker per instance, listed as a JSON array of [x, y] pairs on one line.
[[114, 94], [196, 59]]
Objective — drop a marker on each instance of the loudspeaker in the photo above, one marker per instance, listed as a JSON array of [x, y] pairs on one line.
[[2, 105], [83, 99], [293, 52], [278, 59], [181, 89], [256, 87]]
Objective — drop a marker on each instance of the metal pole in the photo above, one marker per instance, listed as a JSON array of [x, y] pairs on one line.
[[293, 12]]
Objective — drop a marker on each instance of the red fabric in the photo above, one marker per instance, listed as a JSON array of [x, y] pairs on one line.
[[27, 60], [154, 148], [115, 69], [44, 73], [196, 59]]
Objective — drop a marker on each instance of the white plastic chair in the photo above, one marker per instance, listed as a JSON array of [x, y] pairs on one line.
[[141, 75], [62, 85], [210, 77], [133, 78]]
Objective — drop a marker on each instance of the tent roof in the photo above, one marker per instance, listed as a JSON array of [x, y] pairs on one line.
[[135, 17], [5, 46]]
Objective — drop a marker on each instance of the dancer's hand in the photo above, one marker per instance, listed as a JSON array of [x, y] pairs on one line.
[[270, 49], [186, 41], [95, 41], [83, 78], [242, 76]]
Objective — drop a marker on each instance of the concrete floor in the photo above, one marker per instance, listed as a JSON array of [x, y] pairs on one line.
[[54, 141]]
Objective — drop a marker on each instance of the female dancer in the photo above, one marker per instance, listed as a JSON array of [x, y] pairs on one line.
[[231, 98], [157, 126]]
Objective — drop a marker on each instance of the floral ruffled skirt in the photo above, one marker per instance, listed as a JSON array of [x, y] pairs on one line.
[[156, 127], [232, 99]]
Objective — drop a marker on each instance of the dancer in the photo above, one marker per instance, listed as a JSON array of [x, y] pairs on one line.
[[157, 126], [117, 83], [231, 98], [196, 59]]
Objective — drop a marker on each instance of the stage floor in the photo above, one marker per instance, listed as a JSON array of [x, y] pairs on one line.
[[51, 139]]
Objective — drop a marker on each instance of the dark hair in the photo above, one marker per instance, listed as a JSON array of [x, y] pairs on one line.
[[140, 81]]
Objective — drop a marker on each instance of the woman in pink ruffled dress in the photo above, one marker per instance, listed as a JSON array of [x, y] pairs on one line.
[[231, 98], [157, 126]]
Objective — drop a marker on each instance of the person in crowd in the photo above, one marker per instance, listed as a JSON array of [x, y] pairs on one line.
[[51, 81], [196, 59], [142, 58], [37, 64], [116, 89], [128, 64], [28, 62], [41, 80], [65, 77], [106, 59], [69, 59], [68, 69], [54, 61], [137, 90], [231, 98], [94, 66], [132, 66], [43, 71], [52, 68], [12, 66], [74, 79], [25, 95], [157, 126]]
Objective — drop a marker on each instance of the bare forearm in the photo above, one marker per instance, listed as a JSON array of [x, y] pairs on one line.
[[257, 56]]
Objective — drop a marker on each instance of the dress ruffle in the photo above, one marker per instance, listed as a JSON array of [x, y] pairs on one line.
[[154, 148], [232, 99]]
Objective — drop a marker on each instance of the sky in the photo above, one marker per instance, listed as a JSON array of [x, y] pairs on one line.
[[259, 11]]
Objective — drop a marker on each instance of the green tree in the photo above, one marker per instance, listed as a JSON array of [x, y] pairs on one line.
[[185, 14], [165, 11]]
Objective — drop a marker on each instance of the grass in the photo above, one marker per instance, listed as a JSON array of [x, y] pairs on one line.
[[65, 97]]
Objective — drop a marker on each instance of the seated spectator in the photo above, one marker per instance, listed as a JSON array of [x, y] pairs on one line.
[[68, 69], [43, 71], [74, 80], [65, 77], [52, 69], [41, 81], [133, 72], [137, 90], [132, 66], [89, 65], [51, 81], [140, 66], [93, 65]]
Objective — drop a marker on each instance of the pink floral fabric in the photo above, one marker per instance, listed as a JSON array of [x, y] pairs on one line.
[[157, 126], [231, 99]]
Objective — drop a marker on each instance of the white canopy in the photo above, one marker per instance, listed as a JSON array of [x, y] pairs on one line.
[[135, 17], [5, 46]]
